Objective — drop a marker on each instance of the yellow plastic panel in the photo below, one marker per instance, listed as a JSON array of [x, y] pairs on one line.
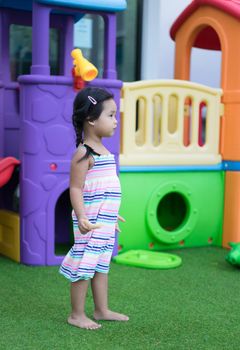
[[10, 235], [153, 132]]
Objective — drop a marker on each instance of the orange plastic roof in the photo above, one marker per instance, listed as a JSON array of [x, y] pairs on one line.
[[207, 38]]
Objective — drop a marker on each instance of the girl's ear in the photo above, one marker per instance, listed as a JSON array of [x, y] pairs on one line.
[[91, 122]]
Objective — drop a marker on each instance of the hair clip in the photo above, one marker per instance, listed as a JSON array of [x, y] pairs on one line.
[[91, 99]]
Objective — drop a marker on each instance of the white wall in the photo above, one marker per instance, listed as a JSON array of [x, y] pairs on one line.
[[206, 67], [158, 47]]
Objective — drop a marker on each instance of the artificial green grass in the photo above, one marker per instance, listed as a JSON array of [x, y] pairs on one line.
[[195, 306]]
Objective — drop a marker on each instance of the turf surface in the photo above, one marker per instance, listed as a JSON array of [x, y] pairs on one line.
[[195, 306]]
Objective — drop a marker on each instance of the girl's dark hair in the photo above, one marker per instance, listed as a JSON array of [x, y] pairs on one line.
[[88, 105]]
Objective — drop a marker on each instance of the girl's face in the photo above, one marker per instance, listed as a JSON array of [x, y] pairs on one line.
[[106, 124]]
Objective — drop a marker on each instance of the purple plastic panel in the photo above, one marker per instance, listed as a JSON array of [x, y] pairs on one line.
[[11, 120], [40, 47], [46, 147], [1, 47], [47, 143], [67, 46], [1, 121], [110, 47]]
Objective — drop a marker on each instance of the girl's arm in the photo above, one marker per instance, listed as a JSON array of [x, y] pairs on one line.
[[77, 179]]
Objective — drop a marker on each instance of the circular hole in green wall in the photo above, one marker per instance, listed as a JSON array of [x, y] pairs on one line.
[[172, 211]]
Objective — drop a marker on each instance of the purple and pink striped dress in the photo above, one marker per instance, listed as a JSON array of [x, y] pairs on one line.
[[92, 252]]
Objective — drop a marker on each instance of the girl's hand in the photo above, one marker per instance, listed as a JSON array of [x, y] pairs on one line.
[[85, 225], [120, 218]]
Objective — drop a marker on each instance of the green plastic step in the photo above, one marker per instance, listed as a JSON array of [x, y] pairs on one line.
[[148, 259]]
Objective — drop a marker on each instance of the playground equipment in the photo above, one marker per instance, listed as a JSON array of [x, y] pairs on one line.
[[181, 140], [175, 176], [6, 169], [162, 140], [214, 25], [233, 257], [147, 259], [179, 145], [83, 70], [35, 116], [171, 208], [9, 221]]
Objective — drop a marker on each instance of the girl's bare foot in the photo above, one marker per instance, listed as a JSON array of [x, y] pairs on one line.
[[109, 315], [83, 322]]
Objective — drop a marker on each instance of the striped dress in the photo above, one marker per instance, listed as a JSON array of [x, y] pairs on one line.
[[92, 252]]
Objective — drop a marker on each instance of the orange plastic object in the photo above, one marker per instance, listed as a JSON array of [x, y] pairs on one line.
[[82, 67], [225, 23], [6, 169], [230, 140], [207, 38], [231, 222]]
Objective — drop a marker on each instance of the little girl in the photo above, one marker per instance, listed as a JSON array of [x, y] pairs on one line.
[[95, 196]]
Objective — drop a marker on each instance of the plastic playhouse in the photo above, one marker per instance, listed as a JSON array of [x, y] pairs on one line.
[[36, 128], [178, 143], [171, 198]]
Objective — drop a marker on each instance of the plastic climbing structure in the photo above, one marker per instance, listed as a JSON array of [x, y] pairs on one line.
[[35, 117], [178, 143]]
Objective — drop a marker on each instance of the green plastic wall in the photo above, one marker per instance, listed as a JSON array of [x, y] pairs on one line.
[[170, 210]]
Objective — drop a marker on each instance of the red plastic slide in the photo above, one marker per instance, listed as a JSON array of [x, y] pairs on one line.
[[6, 169]]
